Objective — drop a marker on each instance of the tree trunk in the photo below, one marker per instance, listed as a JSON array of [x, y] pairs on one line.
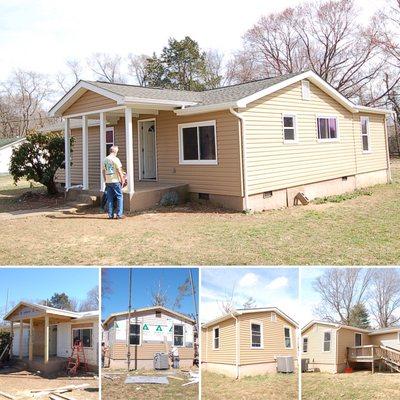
[[51, 188]]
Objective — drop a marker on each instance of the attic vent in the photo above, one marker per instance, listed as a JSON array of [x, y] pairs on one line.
[[158, 314], [273, 317], [344, 178], [204, 196], [305, 90]]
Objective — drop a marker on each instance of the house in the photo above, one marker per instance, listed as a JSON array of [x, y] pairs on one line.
[[253, 146], [6, 148], [151, 330], [43, 336], [330, 347], [247, 342]]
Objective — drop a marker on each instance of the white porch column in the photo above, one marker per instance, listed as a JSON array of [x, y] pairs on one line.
[[21, 337], [46, 339], [67, 144], [102, 147], [31, 339], [129, 151], [85, 153]]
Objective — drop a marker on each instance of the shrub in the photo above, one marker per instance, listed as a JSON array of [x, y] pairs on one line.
[[170, 199]]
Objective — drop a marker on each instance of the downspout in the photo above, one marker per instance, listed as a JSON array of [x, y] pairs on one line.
[[389, 174], [244, 156], [236, 345]]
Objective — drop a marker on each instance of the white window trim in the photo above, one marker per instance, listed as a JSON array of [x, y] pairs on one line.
[[183, 335], [180, 141], [367, 135], [79, 329], [140, 333], [355, 335], [323, 341], [110, 129], [296, 136], [290, 336], [255, 322], [305, 90], [219, 338], [302, 345], [329, 140]]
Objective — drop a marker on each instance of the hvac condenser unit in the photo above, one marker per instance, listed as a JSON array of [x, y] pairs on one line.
[[285, 364], [304, 364], [160, 361]]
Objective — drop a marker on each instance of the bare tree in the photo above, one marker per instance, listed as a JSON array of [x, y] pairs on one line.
[[137, 68], [106, 67], [227, 305], [341, 289], [91, 303], [159, 296], [249, 303], [66, 80], [213, 69], [385, 297]]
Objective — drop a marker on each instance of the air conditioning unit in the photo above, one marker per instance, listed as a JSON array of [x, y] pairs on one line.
[[161, 361], [304, 364], [285, 364]]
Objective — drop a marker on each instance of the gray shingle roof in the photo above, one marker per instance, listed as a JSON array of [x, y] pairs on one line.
[[220, 95]]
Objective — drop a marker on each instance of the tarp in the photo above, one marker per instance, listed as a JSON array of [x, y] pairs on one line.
[[143, 379]]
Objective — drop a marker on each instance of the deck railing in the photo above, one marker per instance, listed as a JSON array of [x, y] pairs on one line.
[[362, 352], [389, 354]]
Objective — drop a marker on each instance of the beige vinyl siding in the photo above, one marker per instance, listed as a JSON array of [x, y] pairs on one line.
[[316, 353], [226, 354], [89, 101], [273, 339], [346, 338], [386, 339], [272, 164]]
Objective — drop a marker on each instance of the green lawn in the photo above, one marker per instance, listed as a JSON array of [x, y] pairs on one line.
[[362, 230]]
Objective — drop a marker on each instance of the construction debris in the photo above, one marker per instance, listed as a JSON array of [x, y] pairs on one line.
[[7, 396], [160, 380], [194, 378]]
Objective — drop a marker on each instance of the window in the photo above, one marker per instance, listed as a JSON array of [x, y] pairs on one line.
[[216, 338], [273, 317], [398, 336], [358, 340], [197, 143], [289, 128], [327, 341], [134, 334], [327, 128], [109, 139], [83, 335], [305, 90], [305, 344], [178, 335], [256, 336], [288, 338], [365, 134]]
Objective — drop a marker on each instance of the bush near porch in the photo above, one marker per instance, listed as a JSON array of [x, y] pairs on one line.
[[359, 231]]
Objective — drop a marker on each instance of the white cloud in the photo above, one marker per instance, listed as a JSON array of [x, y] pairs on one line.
[[248, 280], [278, 283]]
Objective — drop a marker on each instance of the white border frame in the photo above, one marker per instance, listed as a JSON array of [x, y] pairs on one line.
[[323, 341], [219, 338], [260, 323], [183, 335], [328, 140], [140, 152], [180, 143], [290, 336], [296, 134], [369, 151]]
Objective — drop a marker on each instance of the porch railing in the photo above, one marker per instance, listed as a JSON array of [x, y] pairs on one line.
[[362, 353]]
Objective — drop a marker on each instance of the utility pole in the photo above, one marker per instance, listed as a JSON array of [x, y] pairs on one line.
[[194, 297], [129, 319]]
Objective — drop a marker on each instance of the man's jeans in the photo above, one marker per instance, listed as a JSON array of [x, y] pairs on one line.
[[114, 192]]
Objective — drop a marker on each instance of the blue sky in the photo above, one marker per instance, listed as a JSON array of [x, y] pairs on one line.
[[144, 282], [33, 284], [269, 287]]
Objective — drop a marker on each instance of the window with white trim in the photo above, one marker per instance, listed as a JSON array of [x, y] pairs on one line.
[[178, 335], [305, 344], [256, 335], [197, 143], [305, 90], [134, 334], [327, 341], [109, 139], [83, 335], [289, 128], [288, 338], [365, 134], [216, 338], [327, 128], [358, 339]]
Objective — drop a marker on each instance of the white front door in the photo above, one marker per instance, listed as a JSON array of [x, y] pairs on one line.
[[148, 156]]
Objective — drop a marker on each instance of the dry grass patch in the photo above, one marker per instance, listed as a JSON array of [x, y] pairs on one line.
[[355, 386], [271, 387]]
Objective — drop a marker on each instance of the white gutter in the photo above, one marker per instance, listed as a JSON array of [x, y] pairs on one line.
[[205, 108], [236, 345], [244, 156]]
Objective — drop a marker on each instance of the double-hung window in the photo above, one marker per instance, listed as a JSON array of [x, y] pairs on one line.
[[109, 139], [256, 335], [327, 341], [288, 338], [216, 338], [327, 128], [134, 334], [198, 143], [365, 134], [83, 335], [289, 128], [305, 344], [178, 335]]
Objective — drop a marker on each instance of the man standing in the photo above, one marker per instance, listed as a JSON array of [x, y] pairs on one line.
[[174, 352], [114, 178]]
